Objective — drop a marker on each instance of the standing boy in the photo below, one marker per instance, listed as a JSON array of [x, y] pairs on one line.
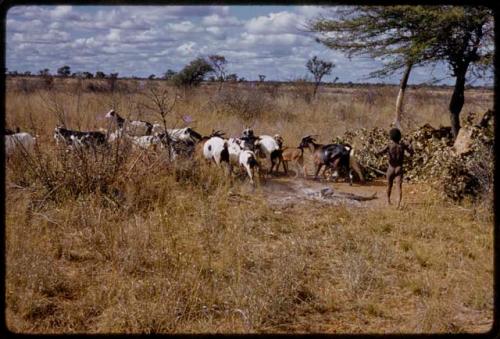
[[396, 151]]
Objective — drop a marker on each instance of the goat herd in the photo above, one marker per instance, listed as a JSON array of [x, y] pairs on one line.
[[244, 151]]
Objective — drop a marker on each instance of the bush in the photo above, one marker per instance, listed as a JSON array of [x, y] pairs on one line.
[[248, 105], [63, 175]]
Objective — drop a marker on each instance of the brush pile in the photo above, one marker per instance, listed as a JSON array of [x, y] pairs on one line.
[[461, 168]]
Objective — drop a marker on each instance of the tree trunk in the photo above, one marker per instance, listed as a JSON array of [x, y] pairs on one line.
[[401, 94], [457, 101], [316, 85]]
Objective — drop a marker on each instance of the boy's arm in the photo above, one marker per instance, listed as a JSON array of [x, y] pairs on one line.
[[382, 151]]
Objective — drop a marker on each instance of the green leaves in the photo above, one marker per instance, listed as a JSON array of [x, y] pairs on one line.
[[410, 34], [193, 73]]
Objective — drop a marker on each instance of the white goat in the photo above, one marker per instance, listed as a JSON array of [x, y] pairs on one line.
[[19, 141], [268, 147], [248, 161], [216, 149], [143, 142]]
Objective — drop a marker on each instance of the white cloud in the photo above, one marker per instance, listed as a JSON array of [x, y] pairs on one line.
[[114, 35], [183, 27], [141, 40], [217, 20], [60, 11], [281, 22], [186, 49]]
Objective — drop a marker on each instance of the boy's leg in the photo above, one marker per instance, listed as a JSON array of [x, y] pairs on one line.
[[398, 174], [390, 179], [399, 184]]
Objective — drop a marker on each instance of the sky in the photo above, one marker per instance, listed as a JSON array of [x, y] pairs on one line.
[[144, 40]]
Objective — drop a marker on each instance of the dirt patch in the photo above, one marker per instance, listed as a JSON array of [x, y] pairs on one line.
[[287, 191]]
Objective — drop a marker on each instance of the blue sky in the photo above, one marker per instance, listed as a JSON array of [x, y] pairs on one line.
[[144, 40]]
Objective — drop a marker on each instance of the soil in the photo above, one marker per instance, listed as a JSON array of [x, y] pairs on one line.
[[285, 191]]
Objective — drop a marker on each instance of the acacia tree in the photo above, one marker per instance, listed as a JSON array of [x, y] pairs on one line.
[[64, 71], [169, 74], [380, 32], [193, 73], [218, 63], [319, 68], [465, 38], [407, 36]]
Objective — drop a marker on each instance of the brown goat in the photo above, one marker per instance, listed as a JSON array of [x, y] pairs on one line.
[[296, 156]]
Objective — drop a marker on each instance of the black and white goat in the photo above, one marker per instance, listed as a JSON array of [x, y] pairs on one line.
[[78, 139], [180, 134], [232, 151], [266, 146], [182, 141], [334, 156], [131, 127]]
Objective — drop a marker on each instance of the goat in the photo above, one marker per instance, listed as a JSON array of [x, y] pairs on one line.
[[23, 141], [346, 162], [78, 138], [183, 148], [143, 142], [330, 155], [132, 127], [146, 141], [216, 149], [248, 161], [266, 146], [180, 134], [269, 148], [157, 128], [296, 156], [9, 131], [181, 141], [201, 142]]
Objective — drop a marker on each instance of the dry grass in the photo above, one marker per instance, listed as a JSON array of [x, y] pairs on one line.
[[179, 248]]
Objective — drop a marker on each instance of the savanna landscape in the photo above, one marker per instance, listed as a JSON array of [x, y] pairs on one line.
[[145, 201], [124, 240]]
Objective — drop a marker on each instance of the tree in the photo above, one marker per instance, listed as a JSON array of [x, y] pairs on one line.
[[151, 77], [169, 74], [377, 31], [44, 72], [409, 36], [465, 38], [218, 63], [193, 73], [262, 77], [232, 77], [112, 81], [100, 75], [64, 71], [319, 68]]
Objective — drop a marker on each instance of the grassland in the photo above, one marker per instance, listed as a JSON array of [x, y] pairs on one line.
[[130, 244]]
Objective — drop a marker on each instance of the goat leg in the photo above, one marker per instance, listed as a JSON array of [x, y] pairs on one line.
[[318, 168]]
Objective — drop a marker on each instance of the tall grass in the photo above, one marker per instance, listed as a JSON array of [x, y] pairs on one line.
[[122, 241]]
